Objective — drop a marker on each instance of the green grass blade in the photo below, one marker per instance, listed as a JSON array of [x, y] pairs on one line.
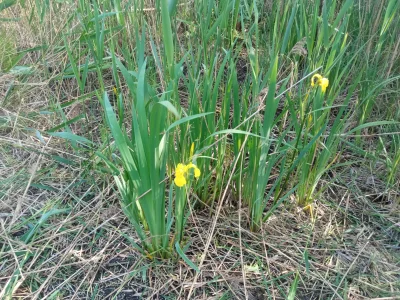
[[6, 4], [293, 288], [71, 137], [185, 258]]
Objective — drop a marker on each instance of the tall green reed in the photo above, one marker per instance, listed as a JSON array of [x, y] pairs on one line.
[[184, 90], [264, 153], [207, 84], [327, 51], [142, 125], [381, 48]]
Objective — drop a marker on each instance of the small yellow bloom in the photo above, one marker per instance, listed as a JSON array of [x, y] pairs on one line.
[[323, 82], [313, 81], [180, 181], [196, 169], [181, 169], [197, 172], [181, 173]]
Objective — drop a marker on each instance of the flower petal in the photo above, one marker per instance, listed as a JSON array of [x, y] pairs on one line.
[[313, 81], [180, 170], [323, 83], [197, 172], [180, 181]]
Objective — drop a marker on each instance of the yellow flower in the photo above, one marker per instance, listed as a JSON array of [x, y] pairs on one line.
[[197, 172], [196, 169], [181, 173], [191, 165], [324, 82], [318, 77], [321, 81], [180, 181], [181, 169]]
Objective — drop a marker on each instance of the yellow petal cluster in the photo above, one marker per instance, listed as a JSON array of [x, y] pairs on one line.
[[180, 181], [323, 82], [182, 172]]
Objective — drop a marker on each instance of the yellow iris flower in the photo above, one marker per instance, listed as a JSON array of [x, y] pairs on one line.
[[181, 173], [196, 169], [180, 181], [180, 170], [323, 82]]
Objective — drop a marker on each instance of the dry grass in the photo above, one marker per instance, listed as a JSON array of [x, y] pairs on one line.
[[348, 248]]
